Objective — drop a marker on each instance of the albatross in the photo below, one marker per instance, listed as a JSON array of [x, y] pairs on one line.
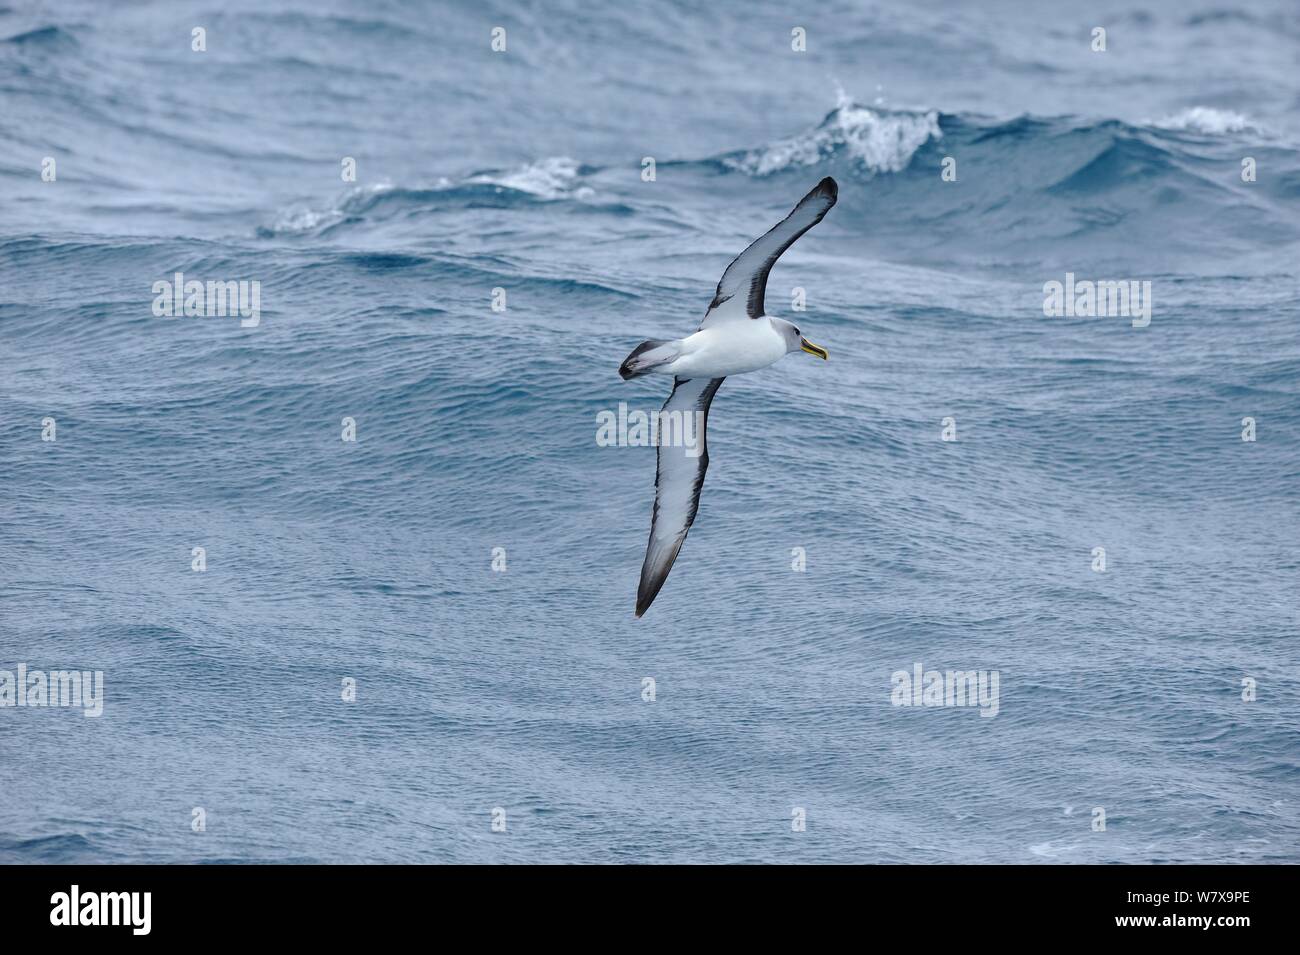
[[734, 338]]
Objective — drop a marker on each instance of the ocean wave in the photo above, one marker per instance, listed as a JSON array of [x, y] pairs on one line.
[[47, 37], [61, 847], [550, 179], [876, 140], [556, 177], [1040, 179], [1203, 119]]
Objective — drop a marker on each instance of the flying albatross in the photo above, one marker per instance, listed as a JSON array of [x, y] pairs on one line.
[[735, 337]]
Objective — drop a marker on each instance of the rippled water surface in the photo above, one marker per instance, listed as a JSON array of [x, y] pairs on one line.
[[476, 430]]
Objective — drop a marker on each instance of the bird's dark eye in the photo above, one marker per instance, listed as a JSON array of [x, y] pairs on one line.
[[797, 332]]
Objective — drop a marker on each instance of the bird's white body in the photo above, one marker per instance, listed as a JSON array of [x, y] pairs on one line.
[[732, 348]]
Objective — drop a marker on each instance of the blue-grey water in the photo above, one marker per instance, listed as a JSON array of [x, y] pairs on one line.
[[522, 689]]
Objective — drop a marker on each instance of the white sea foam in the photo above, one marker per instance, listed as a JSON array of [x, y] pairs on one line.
[[553, 178], [881, 140], [1203, 119], [303, 219]]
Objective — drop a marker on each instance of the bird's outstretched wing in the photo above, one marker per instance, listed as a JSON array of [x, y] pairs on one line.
[[740, 291], [677, 481]]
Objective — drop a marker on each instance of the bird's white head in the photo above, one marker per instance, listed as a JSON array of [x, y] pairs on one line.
[[794, 340]]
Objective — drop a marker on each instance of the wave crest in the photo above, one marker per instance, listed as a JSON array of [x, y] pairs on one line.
[[1204, 119], [556, 177], [877, 140]]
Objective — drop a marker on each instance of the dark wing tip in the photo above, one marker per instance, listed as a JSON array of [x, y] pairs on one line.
[[646, 594], [828, 187], [654, 573]]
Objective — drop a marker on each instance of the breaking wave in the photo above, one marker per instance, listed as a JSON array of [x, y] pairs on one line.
[[1203, 119], [876, 140]]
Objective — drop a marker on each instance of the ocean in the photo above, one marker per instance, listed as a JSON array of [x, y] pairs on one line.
[[359, 578]]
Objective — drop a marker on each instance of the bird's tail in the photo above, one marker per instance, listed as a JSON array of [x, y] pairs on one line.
[[646, 356]]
